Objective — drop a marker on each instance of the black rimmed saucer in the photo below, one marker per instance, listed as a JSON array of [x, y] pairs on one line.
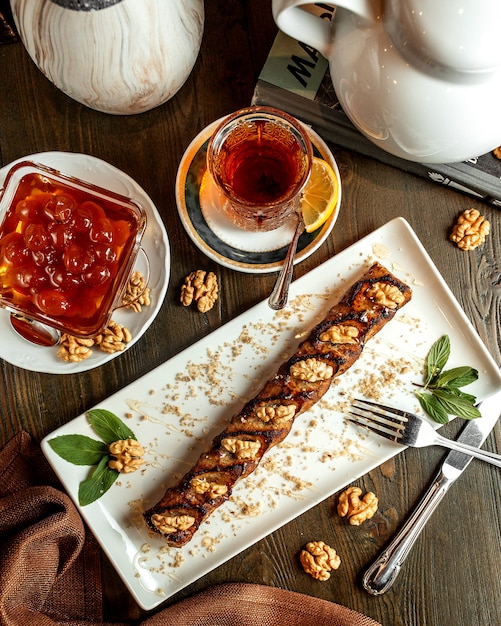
[[214, 233]]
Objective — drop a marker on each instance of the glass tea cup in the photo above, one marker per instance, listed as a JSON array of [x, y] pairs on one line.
[[259, 159]]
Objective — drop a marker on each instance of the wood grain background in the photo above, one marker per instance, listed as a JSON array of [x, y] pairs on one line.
[[453, 574]]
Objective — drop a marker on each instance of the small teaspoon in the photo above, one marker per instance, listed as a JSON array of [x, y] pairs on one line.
[[35, 332], [280, 293]]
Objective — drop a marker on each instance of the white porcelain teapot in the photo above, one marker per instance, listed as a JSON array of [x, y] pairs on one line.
[[116, 56], [420, 78]]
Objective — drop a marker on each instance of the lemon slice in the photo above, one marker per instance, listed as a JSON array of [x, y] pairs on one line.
[[319, 195]]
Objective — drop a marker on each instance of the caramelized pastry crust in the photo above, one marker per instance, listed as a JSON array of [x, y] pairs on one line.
[[330, 349]]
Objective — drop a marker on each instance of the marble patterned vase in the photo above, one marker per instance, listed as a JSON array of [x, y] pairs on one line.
[[115, 56]]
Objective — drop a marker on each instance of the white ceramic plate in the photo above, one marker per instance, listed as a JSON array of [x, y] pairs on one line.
[[176, 409], [155, 243], [214, 233]]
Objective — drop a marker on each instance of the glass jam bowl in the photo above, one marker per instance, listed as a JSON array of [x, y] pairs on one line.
[[67, 249]]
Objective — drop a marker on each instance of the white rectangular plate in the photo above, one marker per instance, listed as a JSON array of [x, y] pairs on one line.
[[178, 408]]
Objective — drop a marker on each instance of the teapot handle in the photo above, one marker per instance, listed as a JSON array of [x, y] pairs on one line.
[[310, 27]]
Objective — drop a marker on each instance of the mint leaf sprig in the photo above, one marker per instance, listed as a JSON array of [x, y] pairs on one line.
[[83, 450], [441, 394]]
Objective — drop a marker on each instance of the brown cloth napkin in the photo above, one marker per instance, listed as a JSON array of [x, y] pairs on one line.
[[241, 604], [50, 569]]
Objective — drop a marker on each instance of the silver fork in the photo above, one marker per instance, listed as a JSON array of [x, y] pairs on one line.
[[409, 429]]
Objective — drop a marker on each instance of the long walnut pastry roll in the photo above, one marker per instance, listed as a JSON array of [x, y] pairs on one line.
[[330, 349]]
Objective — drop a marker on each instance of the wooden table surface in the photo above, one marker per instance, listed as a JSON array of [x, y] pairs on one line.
[[453, 574]]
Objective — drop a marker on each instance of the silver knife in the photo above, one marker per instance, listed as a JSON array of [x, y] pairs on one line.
[[381, 575]]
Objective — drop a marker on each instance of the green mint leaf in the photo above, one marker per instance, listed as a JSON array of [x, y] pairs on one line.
[[469, 413], [108, 426], [79, 449], [437, 358], [456, 377], [456, 404], [432, 407], [471, 399], [102, 478], [445, 396]]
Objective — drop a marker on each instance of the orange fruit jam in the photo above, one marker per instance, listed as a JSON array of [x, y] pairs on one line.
[[65, 252]]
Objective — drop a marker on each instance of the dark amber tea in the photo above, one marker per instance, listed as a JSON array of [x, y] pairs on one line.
[[260, 159], [262, 170]]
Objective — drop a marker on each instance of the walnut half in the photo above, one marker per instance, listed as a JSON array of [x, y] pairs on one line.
[[74, 349], [340, 333], [318, 559], [170, 523], [470, 230], [388, 295], [357, 509], [311, 370], [126, 455], [202, 486], [113, 338], [200, 287], [241, 448], [137, 293], [276, 413]]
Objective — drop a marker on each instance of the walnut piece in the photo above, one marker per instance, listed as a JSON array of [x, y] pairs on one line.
[[311, 370], [126, 455], [357, 509], [340, 333], [470, 230], [497, 152], [137, 293], [388, 295], [242, 448], [276, 413], [200, 287], [74, 349], [113, 338], [203, 486], [319, 559], [170, 523]]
